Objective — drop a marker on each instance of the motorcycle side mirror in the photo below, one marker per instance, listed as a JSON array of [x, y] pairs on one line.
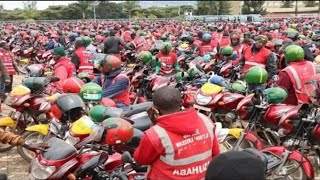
[[145, 72], [127, 158], [54, 79]]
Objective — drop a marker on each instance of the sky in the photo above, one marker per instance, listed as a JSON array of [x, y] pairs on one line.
[[10, 5]]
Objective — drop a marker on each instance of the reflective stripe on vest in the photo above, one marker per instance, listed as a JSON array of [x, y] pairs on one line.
[[85, 67], [169, 150], [296, 76], [251, 63]]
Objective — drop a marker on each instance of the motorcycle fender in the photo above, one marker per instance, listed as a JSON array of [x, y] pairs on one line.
[[295, 155], [26, 61], [7, 121], [114, 161], [235, 132], [254, 139], [41, 128], [63, 170], [291, 113]]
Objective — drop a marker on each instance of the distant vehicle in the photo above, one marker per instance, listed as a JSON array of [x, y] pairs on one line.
[[254, 18]]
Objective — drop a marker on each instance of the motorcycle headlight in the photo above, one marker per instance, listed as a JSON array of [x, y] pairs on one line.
[[203, 100], [40, 171], [72, 140]]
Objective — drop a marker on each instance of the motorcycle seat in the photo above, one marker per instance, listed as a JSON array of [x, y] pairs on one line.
[[141, 121], [58, 149], [138, 108], [135, 141]]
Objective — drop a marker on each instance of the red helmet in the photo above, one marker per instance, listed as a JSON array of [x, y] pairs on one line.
[[121, 131], [72, 85], [270, 45], [22, 33], [157, 35], [99, 38], [86, 32], [112, 62], [108, 102]]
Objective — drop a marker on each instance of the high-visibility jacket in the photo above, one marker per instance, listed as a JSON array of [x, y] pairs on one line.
[[255, 59], [7, 59], [85, 58]]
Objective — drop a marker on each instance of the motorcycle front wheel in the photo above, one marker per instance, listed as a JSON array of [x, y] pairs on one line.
[[230, 141], [21, 66], [291, 170], [30, 138]]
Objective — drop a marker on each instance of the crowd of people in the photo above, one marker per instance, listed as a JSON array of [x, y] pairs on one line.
[[288, 49]]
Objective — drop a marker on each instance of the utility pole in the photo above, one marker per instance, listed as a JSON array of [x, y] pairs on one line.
[[296, 10], [318, 8]]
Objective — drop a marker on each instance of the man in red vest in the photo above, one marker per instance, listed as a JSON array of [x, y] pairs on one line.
[[258, 55], [6, 58], [115, 84], [180, 144], [63, 67], [295, 75], [207, 46], [83, 59]]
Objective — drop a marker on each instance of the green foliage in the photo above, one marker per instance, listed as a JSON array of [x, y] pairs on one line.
[[253, 7], [213, 7], [287, 3]]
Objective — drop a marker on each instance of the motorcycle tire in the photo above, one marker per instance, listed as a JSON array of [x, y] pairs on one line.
[[27, 136], [299, 170], [230, 141], [21, 66]]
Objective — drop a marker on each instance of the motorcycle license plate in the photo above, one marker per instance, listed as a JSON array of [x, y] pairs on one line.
[[196, 106]]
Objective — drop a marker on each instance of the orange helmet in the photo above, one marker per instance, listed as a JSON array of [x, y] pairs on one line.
[[86, 32], [112, 62], [120, 131], [72, 85], [108, 102]]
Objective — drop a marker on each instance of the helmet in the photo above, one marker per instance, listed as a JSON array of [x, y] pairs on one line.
[[72, 85], [68, 107], [206, 37], [35, 70], [145, 56], [166, 46], [112, 62], [143, 34], [207, 58], [226, 51], [86, 32], [85, 77], [247, 33], [164, 38], [96, 113], [269, 45], [190, 39], [108, 102], [193, 71], [157, 35], [135, 27], [86, 41], [238, 87], [99, 38], [256, 75], [292, 34], [122, 131], [91, 92], [278, 42], [181, 76], [293, 53]]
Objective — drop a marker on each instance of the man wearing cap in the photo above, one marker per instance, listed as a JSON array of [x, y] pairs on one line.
[[7, 69], [258, 55], [63, 67]]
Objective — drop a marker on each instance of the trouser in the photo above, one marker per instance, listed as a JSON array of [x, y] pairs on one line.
[[122, 106], [5, 88]]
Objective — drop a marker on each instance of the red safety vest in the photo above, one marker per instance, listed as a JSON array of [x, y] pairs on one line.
[[85, 57], [67, 64], [224, 41], [124, 96], [239, 49], [257, 59], [7, 60], [179, 161], [127, 36], [167, 61], [299, 73], [205, 48]]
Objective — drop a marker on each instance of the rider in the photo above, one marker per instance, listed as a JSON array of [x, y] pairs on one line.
[[167, 59], [112, 44], [5, 78], [63, 68], [257, 54], [89, 46], [236, 44], [295, 75], [82, 59], [172, 146], [115, 84], [206, 46]]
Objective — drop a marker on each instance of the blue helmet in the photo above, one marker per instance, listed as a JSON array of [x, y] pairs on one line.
[[206, 37], [207, 58], [215, 79]]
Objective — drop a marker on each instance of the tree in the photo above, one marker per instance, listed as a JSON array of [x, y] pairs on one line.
[[310, 3], [130, 7], [253, 7], [1, 7], [287, 4], [84, 7], [213, 7], [30, 8]]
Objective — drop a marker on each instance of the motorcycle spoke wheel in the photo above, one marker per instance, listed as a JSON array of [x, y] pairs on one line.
[[30, 138], [231, 141], [291, 170], [22, 67]]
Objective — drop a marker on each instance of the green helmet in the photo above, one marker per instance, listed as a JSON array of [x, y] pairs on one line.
[[96, 113], [86, 41], [238, 87], [293, 53], [166, 46], [85, 76], [276, 95], [181, 76], [143, 33], [164, 38], [193, 71], [276, 25], [301, 36], [247, 33], [292, 34], [91, 92], [135, 27], [227, 51], [145, 56], [256, 75]]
